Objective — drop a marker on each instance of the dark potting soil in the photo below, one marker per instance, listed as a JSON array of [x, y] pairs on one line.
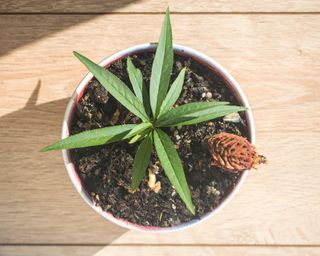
[[106, 170]]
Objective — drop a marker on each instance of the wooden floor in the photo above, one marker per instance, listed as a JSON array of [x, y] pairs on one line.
[[271, 47]]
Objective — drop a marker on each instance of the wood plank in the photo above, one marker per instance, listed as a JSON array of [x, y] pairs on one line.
[[157, 250], [278, 70], [178, 6], [46, 208], [264, 54]]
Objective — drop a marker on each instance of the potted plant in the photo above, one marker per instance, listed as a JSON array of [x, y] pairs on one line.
[[152, 138]]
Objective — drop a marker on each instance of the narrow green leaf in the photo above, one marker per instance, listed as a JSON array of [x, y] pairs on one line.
[[161, 67], [173, 93], [138, 129], [197, 112], [139, 88], [139, 136], [92, 138], [115, 87], [172, 166], [136, 78], [175, 114], [141, 161]]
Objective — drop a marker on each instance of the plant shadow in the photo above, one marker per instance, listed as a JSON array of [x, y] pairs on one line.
[[35, 186]]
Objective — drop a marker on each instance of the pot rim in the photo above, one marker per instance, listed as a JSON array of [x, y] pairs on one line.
[[183, 50]]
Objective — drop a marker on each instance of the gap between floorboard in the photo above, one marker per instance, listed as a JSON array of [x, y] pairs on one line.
[[160, 13], [164, 245]]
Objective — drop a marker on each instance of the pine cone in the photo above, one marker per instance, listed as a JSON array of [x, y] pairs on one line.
[[234, 153]]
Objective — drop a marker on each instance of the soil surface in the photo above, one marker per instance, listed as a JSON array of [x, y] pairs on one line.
[[106, 170]]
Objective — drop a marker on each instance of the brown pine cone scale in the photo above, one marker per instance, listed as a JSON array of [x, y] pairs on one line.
[[234, 153]]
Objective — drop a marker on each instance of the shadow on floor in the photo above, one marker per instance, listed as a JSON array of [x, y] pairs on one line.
[[35, 186], [21, 29]]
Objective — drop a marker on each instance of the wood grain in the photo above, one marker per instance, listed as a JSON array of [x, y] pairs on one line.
[[46, 200], [156, 250], [274, 57], [148, 6]]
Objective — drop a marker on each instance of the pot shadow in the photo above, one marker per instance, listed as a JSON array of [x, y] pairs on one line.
[[35, 186], [26, 27]]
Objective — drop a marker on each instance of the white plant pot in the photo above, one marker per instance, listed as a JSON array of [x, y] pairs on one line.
[[232, 85]]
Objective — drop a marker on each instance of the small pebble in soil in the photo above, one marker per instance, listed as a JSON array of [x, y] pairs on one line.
[[233, 117]]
